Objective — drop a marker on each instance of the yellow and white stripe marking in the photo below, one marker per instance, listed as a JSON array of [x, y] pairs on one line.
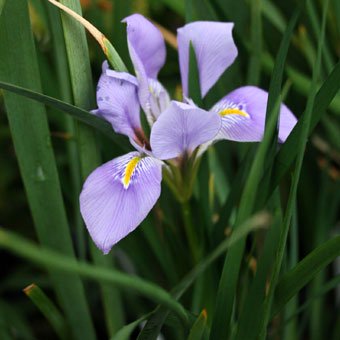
[[129, 170], [233, 111]]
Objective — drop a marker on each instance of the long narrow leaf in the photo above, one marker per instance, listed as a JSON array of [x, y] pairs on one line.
[[51, 259], [83, 94], [154, 324], [229, 278], [76, 112], [292, 281], [296, 176], [37, 164], [48, 309]]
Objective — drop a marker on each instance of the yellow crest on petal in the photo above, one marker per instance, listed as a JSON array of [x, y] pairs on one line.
[[129, 170], [233, 111]]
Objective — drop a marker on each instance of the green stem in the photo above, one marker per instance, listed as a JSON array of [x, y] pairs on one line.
[[190, 232]]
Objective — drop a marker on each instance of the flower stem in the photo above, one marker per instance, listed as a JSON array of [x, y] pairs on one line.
[[190, 232]]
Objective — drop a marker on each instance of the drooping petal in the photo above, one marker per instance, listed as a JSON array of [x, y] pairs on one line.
[[181, 128], [117, 102], [147, 52], [118, 195], [243, 113], [214, 48]]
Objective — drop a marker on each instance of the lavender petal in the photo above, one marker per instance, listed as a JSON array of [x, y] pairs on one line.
[[118, 195], [214, 48], [182, 128]]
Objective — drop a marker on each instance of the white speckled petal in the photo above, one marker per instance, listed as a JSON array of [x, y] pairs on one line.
[[118, 195], [248, 126]]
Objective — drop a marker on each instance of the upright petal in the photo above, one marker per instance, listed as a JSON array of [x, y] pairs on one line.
[[182, 128], [214, 49], [118, 195], [118, 101], [243, 113], [147, 52], [146, 45]]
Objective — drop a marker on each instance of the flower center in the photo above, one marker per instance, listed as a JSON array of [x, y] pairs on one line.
[[129, 170], [233, 111]]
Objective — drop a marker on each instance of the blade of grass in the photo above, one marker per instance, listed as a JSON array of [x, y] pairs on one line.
[[64, 84], [125, 332], [176, 5], [288, 151], [76, 112], [13, 323], [322, 226], [300, 81], [291, 331], [2, 3], [48, 309], [81, 80], [296, 176], [73, 9], [194, 82], [248, 320], [254, 67], [117, 31], [313, 17], [328, 286], [154, 324], [233, 197], [32, 142], [295, 279], [273, 14], [237, 12], [51, 259], [228, 281], [199, 327]]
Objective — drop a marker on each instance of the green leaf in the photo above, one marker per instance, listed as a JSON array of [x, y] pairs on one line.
[[328, 286], [295, 279], [13, 322], [254, 68], [301, 145], [229, 278], [83, 95], [48, 309], [72, 8], [175, 5], [248, 323], [273, 14], [288, 152], [234, 195], [64, 86], [2, 3], [31, 137], [125, 332], [193, 81], [154, 324], [51, 259], [76, 112], [199, 327]]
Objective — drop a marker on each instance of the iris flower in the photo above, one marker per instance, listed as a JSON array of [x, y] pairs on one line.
[[118, 195]]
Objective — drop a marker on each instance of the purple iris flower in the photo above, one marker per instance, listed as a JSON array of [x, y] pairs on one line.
[[118, 195]]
